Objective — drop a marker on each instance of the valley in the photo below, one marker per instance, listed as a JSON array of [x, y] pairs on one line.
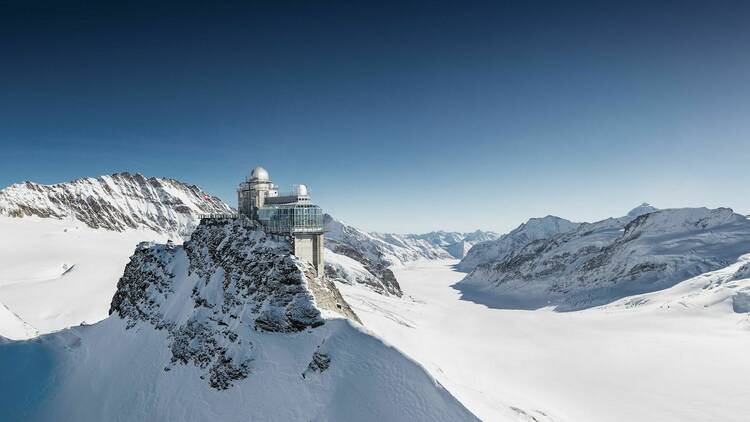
[[664, 361]]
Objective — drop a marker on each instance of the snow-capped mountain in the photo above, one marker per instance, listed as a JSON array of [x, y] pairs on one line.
[[438, 244], [373, 248], [228, 326], [118, 202], [499, 249], [644, 208], [600, 262]]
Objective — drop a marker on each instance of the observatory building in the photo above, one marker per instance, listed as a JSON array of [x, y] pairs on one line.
[[291, 214]]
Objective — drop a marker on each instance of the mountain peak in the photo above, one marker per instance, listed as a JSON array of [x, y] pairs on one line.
[[644, 208]]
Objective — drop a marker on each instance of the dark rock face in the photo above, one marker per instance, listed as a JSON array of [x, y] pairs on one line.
[[117, 202], [146, 278], [226, 279], [743, 272], [320, 362], [268, 278]]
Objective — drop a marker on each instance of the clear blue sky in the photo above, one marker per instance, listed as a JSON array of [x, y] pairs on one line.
[[400, 116]]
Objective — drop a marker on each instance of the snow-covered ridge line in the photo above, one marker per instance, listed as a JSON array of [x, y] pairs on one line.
[[117, 202], [532, 230], [438, 244], [597, 263]]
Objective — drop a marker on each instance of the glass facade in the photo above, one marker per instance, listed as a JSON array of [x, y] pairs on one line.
[[291, 218]]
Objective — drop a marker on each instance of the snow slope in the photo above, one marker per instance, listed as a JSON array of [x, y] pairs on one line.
[[679, 356], [59, 273], [229, 326], [14, 327], [601, 262]]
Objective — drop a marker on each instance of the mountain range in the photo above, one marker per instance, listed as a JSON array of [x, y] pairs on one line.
[[573, 266]]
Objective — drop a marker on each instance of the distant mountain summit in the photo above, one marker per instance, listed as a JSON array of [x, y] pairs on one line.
[[118, 202], [644, 208], [534, 229], [439, 244]]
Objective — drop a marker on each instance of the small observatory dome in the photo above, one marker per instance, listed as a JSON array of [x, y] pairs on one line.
[[301, 190], [260, 174]]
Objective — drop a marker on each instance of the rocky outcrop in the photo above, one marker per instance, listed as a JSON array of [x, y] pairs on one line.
[[228, 277], [118, 202]]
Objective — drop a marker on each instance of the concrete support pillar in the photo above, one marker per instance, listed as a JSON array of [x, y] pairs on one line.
[[309, 247]]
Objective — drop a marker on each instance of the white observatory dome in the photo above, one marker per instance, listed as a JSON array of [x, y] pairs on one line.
[[259, 173], [301, 190]]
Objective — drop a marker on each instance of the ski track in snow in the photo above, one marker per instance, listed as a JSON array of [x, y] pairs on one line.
[[676, 355]]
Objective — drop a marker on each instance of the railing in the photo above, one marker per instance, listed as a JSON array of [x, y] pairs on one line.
[[219, 216]]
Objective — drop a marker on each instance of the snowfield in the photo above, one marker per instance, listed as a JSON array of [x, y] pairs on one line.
[[675, 355], [58, 273]]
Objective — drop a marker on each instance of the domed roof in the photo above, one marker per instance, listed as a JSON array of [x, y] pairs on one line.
[[301, 190], [259, 173]]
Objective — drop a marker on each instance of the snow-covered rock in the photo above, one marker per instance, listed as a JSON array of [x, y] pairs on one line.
[[357, 271], [228, 326], [644, 208], [373, 256], [743, 272], [499, 249], [118, 202], [600, 262]]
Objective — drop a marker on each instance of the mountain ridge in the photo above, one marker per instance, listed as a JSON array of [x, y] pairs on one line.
[[116, 202], [603, 261]]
